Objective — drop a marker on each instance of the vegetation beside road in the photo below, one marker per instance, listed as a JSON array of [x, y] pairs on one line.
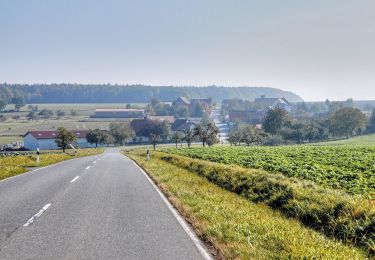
[[350, 168], [236, 227], [12, 165]]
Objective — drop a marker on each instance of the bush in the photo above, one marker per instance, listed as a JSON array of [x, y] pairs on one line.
[[274, 140]]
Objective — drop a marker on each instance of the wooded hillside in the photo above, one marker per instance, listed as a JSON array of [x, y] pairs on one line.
[[78, 93]]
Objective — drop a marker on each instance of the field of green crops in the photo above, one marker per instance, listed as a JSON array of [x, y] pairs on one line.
[[350, 168]]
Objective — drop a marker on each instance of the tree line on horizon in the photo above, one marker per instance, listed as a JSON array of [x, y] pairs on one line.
[[94, 93]]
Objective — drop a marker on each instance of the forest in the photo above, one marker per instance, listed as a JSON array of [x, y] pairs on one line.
[[80, 93]]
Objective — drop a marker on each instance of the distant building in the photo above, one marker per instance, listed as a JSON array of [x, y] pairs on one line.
[[169, 119], [192, 103], [119, 113], [45, 140], [271, 103], [251, 117], [181, 124]]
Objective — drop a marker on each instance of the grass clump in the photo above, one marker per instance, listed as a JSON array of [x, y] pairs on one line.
[[236, 227], [331, 212], [12, 165]]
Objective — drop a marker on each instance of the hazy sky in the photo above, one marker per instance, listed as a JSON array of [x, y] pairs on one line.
[[316, 48]]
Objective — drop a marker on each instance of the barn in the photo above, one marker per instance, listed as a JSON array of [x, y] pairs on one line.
[[45, 140], [119, 113]]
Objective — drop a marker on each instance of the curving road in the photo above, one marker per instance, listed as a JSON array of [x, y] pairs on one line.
[[97, 207]]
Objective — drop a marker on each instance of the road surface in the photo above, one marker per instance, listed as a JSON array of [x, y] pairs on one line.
[[97, 207]]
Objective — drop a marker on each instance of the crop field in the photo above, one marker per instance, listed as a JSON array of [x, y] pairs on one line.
[[350, 168]]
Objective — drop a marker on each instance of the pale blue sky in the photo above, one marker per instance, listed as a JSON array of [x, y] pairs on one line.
[[316, 48]]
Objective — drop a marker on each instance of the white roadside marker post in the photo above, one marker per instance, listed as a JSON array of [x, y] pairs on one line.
[[37, 156]]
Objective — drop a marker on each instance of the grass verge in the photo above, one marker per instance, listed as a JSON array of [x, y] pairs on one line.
[[331, 212], [14, 165], [236, 227]]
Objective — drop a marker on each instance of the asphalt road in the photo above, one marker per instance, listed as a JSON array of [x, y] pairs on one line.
[[97, 207]]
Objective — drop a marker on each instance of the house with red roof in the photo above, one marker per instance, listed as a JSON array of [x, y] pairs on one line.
[[45, 140]]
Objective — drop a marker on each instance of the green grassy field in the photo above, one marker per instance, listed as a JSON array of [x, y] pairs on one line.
[[358, 140], [17, 164], [236, 227], [350, 168]]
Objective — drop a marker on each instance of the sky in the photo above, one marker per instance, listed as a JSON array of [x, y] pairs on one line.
[[316, 48]]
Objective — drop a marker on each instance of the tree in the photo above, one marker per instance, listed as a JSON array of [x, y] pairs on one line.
[[107, 138], [189, 136], [347, 121], [95, 137], [235, 137], [275, 119], [73, 112], [3, 105], [19, 102], [45, 113], [121, 131], [64, 138], [206, 132], [371, 123], [128, 106], [33, 108], [177, 137], [251, 135], [154, 139], [60, 113], [32, 115]]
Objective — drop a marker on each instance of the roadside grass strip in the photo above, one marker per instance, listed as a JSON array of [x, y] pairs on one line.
[[17, 164], [331, 212], [235, 227]]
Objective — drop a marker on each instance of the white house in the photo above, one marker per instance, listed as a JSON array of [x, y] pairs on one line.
[[45, 140]]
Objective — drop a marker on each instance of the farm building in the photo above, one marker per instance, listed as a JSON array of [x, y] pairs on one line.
[[273, 103], [45, 140], [119, 113]]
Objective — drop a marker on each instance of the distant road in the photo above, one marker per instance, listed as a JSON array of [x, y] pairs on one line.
[[98, 207]]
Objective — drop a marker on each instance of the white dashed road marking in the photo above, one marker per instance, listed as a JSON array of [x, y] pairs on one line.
[[75, 178], [37, 215], [88, 167]]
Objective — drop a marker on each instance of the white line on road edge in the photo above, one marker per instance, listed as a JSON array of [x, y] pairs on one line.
[[88, 167], [196, 241], [75, 178], [37, 215]]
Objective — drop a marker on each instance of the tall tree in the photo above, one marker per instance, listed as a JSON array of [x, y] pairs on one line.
[[275, 119], [206, 132], [189, 136], [371, 123], [3, 105], [121, 131], [177, 137], [95, 137], [64, 138], [19, 102], [347, 121]]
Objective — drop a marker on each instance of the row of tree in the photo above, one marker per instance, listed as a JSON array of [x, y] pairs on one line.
[[158, 108], [122, 132], [279, 128]]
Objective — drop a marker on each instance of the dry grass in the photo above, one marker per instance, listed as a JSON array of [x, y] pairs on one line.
[[14, 165]]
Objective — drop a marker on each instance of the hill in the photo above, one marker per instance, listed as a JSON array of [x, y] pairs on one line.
[[79, 93]]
